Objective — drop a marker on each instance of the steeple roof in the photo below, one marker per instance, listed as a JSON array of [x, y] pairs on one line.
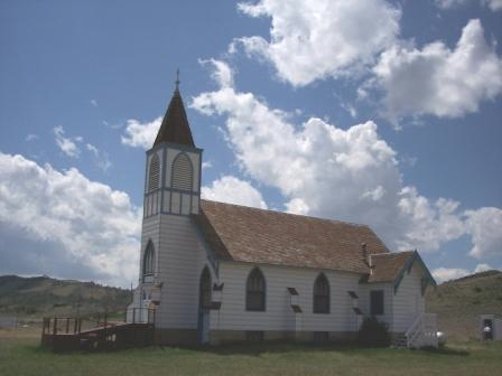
[[175, 128]]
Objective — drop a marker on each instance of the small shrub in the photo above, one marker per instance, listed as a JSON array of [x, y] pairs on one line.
[[374, 333]]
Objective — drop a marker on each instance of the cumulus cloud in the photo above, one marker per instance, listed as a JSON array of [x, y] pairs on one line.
[[437, 80], [326, 171], [312, 40], [447, 274], [447, 4], [234, 191], [139, 134], [485, 226], [68, 219], [101, 159], [65, 144]]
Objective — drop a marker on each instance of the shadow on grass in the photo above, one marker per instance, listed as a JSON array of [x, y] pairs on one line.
[[280, 347], [446, 351]]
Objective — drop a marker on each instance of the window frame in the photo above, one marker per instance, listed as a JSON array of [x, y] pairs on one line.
[[148, 262], [321, 300], [205, 289], [256, 298], [377, 302]]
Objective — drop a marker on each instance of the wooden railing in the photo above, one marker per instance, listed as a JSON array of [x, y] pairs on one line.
[[140, 316], [423, 332]]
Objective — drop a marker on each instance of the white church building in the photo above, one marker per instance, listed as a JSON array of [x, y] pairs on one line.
[[212, 272]]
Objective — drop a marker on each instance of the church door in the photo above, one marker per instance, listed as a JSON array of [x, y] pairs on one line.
[[204, 306]]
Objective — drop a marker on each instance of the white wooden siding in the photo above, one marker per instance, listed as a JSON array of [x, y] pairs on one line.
[[408, 301], [278, 314], [388, 296], [181, 260]]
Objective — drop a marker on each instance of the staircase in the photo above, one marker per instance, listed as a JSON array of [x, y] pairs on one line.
[[423, 332]]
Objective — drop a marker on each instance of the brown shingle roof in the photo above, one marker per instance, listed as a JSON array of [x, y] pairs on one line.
[[387, 267], [243, 234], [175, 127]]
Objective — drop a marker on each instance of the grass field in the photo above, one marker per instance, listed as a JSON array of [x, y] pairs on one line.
[[20, 354]]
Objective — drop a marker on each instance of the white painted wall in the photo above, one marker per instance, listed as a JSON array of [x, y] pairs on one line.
[[408, 302], [278, 314], [180, 263], [388, 296]]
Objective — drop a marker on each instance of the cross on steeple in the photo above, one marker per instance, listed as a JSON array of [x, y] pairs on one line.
[[177, 82]]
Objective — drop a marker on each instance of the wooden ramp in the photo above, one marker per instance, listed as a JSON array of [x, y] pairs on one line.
[[66, 334]]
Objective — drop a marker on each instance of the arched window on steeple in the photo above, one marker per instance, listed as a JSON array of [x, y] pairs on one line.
[[321, 294], [149, 263], [154, 173], [182, 173], [255, 291]]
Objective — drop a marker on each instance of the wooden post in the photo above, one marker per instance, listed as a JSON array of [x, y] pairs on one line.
[[67, 325], [134, 315], [55, 328], [79, 325]]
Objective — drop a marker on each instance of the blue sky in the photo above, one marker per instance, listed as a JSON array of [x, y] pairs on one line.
[[378, 112]]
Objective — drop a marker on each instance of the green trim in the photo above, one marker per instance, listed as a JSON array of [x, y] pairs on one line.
[[428, 278]]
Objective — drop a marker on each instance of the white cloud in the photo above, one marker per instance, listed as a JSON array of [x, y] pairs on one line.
[[446, 274], [482, 268], [447, 4], [326, 171], [437, 80], [234, 191], [485, 227], [81, 224], [66, 145], [94, 102], [141, 135], [315, 39], [101, 159], [31, 137], [207, 164]]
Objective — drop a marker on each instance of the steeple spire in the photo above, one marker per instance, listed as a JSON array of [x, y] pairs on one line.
[[175, 128]]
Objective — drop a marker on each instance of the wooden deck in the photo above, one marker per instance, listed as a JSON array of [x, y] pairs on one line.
[[66, 334]]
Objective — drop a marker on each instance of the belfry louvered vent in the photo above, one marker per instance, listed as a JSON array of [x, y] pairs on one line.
[[182, 173], [153, 179]]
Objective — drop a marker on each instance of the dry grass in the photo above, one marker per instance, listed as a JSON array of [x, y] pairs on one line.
[[20, 354]]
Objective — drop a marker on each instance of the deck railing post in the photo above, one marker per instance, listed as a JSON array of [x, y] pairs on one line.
[[55, 328], [67, 325]]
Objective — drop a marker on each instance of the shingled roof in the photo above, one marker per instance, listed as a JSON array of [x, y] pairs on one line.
[[175, 128], [243, 234], [386, 267]]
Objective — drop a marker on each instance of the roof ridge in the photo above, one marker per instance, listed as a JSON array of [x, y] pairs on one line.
[[291, 214]]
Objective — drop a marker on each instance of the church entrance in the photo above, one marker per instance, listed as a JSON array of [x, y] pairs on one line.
[[204, 306]]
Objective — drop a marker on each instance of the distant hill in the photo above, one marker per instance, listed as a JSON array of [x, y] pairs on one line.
[[44, 296], [459, 303]]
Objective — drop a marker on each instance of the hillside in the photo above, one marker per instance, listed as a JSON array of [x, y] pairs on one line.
[[459, 303], [42, 296]]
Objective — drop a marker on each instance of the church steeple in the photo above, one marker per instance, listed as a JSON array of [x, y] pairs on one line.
[[175, 128]]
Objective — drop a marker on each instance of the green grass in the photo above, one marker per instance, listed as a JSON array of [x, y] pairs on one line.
[[23, 356]]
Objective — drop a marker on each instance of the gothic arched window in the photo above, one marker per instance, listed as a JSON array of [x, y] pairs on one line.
[[148, 262], [255, 291], [182, 173], [321, 294], [205, 289], [154, 173]]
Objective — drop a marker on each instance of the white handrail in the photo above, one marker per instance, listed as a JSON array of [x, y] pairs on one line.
[[423, 331]]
